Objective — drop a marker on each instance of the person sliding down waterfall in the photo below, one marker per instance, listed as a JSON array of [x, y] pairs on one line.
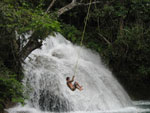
[[74, 86]]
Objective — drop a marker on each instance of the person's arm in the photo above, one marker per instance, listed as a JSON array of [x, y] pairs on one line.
[[72, 79]]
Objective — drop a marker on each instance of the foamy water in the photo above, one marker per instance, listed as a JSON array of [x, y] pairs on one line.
[[46, 70], [28, 109]]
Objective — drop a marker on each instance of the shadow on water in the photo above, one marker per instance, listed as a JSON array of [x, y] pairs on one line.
[[144, 106]]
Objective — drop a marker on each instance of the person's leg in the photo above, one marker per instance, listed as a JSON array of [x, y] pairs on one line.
[[78, 86]]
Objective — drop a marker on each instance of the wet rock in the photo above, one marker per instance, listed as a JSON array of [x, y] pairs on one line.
[[51, 102]]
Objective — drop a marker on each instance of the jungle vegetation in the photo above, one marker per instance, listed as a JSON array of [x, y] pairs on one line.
[[118, 30]]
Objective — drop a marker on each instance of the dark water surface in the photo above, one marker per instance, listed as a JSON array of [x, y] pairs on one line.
[[143, 105]]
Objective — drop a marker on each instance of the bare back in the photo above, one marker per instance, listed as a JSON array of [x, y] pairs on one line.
[[70, 85]]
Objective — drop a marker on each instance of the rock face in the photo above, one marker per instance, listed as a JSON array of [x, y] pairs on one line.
[[3, 111], [51, 102], [7, 105]]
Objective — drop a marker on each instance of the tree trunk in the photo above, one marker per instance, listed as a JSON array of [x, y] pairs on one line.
[[50, 6], [121, 24], [67, 7], [29, 47], [73, 4]]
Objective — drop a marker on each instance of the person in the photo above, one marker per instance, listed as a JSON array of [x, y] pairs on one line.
[[74, 86]]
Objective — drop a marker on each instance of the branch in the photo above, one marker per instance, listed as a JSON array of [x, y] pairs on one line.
[[50, 6], [29, 47], [67, 7], [96, 2], [104, 38], [73, 4]]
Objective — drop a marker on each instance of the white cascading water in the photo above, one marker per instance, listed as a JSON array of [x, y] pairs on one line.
[[46, 70]]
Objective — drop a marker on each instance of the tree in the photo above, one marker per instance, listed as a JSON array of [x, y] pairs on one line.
[[19, 18]]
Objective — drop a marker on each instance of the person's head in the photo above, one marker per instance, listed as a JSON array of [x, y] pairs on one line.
[[68, 78]]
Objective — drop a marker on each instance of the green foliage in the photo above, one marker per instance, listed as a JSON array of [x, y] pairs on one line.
[[71, 33], [11, 90], [129, 55], [9, 86], [22, 17], [23, 20]]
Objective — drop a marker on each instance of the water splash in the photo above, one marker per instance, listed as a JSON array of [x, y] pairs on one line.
[[46, 70]]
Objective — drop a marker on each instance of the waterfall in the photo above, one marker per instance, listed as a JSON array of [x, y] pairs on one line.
[[46, 70]]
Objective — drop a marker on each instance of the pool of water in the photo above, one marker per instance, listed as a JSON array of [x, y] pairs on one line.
[[139, 107]]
